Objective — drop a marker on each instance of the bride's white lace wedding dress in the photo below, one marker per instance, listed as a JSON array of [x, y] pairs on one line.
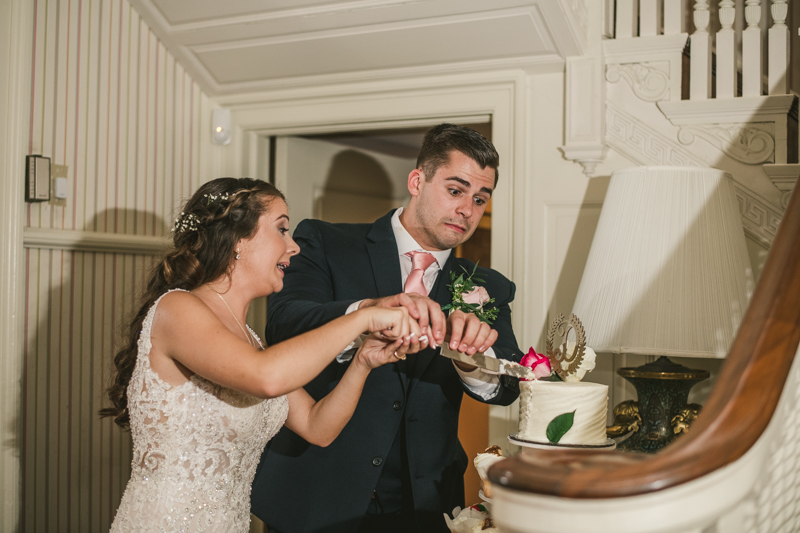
[[195, 451]]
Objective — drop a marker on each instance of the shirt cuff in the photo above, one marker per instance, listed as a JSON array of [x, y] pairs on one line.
[[480, 383], [353, 307]]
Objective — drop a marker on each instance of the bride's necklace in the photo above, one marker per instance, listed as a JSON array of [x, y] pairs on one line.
[[246, 334]]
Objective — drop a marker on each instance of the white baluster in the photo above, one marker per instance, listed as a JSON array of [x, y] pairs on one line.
[[648, 17], [673, 17], [700, 43], [726, 68], [778, 58], [627, 18], [751, 49]]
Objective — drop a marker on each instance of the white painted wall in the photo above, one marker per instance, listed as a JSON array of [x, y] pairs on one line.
[[337, 183]]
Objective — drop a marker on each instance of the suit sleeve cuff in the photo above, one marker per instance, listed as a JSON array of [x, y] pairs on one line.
[[478, 382]]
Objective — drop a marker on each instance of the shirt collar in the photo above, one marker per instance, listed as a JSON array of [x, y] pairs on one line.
[[406, 243]]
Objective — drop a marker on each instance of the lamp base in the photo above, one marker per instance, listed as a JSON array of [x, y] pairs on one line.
[[663, 390]]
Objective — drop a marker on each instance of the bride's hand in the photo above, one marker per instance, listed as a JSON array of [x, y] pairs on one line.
[[389, 323], [375, 351], [393, 335]]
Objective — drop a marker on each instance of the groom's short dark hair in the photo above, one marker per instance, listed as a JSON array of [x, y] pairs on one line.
[[440, 140]]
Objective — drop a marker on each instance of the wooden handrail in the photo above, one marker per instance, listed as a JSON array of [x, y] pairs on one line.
[[741, 405]]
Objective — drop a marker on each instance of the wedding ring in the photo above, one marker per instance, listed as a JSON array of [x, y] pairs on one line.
[[399, 356]]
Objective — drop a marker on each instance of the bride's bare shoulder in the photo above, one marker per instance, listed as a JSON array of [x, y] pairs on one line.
[[178, 307]]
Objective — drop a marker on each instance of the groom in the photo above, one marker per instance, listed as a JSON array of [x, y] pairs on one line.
[[398, 464]]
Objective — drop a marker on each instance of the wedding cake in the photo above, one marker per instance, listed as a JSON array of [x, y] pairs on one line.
[[482, 463], [566, 411]]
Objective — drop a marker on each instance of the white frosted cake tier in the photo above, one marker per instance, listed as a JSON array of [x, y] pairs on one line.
[[541, 401]]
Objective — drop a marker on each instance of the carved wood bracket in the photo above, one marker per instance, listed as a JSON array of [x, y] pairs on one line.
[[749, 143], [649, 81]]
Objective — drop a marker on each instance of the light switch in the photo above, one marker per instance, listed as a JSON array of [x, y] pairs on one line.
[[60, 188], [59, 175]]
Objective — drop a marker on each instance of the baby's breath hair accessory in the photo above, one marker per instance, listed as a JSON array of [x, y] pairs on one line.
[[185, 222], [210, 198]]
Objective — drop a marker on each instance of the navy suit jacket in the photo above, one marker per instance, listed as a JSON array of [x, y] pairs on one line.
[[302, 487]]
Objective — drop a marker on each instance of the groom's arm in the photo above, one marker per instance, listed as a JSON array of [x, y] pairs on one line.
[[307, 299], [505, 347]]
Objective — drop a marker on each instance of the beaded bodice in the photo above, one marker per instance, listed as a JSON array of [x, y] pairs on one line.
[[195, 450]]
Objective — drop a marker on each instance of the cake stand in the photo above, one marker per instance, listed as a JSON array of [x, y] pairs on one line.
[[525, 444]]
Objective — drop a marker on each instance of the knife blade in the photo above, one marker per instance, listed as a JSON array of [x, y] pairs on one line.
[[490, 364]]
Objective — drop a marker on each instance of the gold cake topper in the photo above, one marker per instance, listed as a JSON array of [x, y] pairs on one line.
[[559, 356]]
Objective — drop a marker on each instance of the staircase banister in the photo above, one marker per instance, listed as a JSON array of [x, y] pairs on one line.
[[741, 404]]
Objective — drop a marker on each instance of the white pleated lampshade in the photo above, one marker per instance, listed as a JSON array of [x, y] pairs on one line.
[[668, 272]]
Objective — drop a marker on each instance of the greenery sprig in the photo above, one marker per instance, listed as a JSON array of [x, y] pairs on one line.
[[463, 284]]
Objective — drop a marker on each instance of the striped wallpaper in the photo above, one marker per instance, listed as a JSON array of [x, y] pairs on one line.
[[111, 104]]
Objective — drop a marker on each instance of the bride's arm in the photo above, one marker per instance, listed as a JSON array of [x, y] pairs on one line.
[[185, 330], [321, 422]]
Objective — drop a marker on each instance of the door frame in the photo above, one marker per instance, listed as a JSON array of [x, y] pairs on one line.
[[391, 104]]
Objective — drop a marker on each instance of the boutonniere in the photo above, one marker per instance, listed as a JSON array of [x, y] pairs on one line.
[[469, 297]]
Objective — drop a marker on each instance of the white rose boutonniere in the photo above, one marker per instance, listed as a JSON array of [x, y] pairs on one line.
[[469, 297]]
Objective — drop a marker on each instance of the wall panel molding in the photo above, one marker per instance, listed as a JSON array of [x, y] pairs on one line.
[[90, 241]]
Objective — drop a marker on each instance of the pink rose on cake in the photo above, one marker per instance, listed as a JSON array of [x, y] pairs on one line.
[[477, 296], [537, 362]]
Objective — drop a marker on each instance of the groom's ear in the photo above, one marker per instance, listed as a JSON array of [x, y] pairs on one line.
[[415, 179]]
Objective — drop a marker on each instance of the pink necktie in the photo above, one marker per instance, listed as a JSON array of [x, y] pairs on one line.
[[420, 261]]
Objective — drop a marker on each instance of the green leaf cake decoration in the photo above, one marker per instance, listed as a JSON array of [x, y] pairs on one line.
[[559, 426]]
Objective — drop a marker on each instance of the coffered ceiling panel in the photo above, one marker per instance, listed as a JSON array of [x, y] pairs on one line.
[[249, 45]]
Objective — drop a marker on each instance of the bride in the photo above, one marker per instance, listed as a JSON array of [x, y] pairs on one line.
[[198, 390]]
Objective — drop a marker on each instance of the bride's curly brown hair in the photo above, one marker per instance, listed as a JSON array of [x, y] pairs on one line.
[[213, 221]]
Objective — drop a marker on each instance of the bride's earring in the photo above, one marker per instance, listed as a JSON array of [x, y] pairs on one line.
[[238, 256]]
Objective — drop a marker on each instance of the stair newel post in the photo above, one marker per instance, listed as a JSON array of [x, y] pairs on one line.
[[648, 18], [726, 66], [673, 17], [751, 49], [778, 58], [700, 43], [627, 18]]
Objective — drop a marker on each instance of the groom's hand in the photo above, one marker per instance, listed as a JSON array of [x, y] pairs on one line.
[[425, 311], [468, 334]]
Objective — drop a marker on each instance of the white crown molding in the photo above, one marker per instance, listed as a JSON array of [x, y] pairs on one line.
[[159, 21], [646, 146], [649, 81], [366, 29], [749, 143], [557, 21], [529, 65], [90, 241], [728, 111], [376, 88], [658, 48], [581, 14]]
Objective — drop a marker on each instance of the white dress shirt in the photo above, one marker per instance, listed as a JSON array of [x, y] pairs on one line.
[[484, 385]]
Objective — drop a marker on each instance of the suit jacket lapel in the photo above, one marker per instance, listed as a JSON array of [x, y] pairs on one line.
[[385, 261], [382, 250]]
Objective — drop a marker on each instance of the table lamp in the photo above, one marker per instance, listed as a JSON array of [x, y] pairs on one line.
[[668, 274]]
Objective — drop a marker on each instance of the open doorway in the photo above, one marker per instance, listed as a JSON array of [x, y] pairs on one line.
[[357, 177]]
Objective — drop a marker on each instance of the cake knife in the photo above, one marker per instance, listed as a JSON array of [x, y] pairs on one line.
[[490, 364]]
